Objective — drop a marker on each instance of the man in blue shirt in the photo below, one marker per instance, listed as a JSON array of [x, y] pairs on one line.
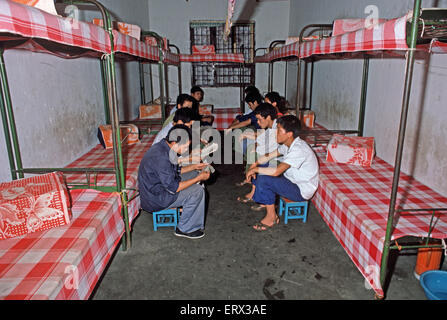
[[253, 100], [164, 184]]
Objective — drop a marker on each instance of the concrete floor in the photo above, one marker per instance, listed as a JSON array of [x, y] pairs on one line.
[[294, 262]]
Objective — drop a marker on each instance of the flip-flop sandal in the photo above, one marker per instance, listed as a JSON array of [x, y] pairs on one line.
[[257, 207], [259, 226], [240, 184], [244, 200]]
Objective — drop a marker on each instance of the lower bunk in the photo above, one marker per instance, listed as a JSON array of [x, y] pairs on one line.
[[65, 262], [354, 202], [98, 157]]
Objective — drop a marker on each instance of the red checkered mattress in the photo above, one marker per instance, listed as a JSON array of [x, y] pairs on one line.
[[99, 157], [224, 117], [17, 20], [389, 36], [354, 202], [223, 57], [64, 262]]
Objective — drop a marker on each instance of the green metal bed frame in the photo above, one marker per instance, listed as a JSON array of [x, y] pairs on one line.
[[108, 76], [414, 37]]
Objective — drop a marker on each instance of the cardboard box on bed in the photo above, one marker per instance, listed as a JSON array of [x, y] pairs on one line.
[[351, 150], [307, 118], [33, 204], [129, 135], [150, 111]]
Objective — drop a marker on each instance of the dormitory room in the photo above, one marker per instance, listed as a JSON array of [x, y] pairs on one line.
[[223, 150]]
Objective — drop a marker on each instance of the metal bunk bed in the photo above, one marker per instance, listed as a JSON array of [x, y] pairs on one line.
[[278, 51], [364, 220], [116, 46], [166, 59], [223, 117], [100, 226]]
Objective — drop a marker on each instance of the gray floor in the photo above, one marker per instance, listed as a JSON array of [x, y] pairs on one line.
[[295, 261]]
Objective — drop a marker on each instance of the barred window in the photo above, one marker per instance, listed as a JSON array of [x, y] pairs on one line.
[[240, 40]]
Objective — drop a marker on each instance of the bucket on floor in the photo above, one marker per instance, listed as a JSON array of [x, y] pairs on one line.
[[427, 259], [434, 283]]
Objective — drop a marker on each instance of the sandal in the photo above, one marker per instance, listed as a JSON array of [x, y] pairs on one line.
[[240, 184], [259, 226], [257, 207], [244, 199]]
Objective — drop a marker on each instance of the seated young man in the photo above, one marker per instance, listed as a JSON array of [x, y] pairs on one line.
[[181, 116], [163, 184], [183, 101], [277, 101], [198, 94], [265, 141], [295, 178], [253, 100]]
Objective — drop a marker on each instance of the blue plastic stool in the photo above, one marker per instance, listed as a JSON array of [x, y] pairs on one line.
[[165, 218], [293, 210]]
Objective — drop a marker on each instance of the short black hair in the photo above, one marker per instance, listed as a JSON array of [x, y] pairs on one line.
[[183, 114], [280, 101], [195, 110], [252, 97], [184, 97], [290, 123], [196, 89], [177, 132], [266, 109], [249, 89]]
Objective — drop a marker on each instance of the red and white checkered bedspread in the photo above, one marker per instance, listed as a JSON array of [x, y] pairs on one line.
[[100, 157], [126, 44], [64, 262], [388, 36], [354, 202], [223, 57], [224, 117], [29, 22]]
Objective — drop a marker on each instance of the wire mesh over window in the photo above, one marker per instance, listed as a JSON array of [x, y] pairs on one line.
[[240, 40]]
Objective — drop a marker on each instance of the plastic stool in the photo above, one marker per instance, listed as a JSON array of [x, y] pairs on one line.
[[293, 210], [165, 218]]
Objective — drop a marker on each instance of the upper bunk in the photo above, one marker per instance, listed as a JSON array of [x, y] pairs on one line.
[[213, 57], [25, 27], [390, 37], [29, 28]]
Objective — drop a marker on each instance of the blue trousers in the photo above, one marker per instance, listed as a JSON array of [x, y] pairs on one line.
[[267, 187]]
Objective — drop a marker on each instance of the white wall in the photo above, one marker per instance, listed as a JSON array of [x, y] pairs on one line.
[[58, 102], [171, 19], [337, 87]]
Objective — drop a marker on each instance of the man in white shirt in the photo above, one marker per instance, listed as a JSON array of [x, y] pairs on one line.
[[266, 143], [295, 178]]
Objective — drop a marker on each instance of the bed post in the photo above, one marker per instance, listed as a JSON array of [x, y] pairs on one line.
[[270, 79], [401, 138], [311, 86], [363, 96], [142, 83], [12, 165], [104, 91], [7, 96]]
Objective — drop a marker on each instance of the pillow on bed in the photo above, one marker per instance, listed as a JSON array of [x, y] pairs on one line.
[[33, 204], [351, 150], [45, 5]]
